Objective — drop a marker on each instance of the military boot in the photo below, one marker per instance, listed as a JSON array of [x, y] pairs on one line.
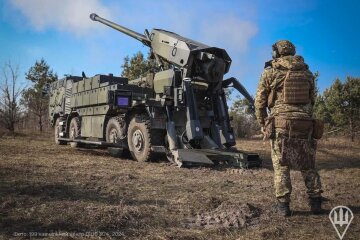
[[283, 209], [315, 205]]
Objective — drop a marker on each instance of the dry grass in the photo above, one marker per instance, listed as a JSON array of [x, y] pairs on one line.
[[47, 188]]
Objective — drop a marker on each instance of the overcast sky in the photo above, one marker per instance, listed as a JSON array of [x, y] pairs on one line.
[[326, 33]]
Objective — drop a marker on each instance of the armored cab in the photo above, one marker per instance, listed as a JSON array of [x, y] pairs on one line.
[[180, 111]]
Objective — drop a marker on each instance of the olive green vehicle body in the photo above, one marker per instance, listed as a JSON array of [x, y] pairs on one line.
[[181, 111], [92, 100]]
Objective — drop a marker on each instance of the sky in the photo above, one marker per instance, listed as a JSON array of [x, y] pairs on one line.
[[326, 33]]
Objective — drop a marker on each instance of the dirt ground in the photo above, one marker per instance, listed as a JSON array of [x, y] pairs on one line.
[[54, 192]]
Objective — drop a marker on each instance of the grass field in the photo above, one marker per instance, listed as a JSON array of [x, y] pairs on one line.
[[59, 192]]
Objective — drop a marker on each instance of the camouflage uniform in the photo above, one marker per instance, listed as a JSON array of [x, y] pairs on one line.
[[273, 78]]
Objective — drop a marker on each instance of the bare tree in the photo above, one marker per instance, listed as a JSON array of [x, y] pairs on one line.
[[10, 93]]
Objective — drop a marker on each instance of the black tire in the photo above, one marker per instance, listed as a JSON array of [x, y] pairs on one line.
[[57, 129], [139, 138], [114, 134], [74, 131]]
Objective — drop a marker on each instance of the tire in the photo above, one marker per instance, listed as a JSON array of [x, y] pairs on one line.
[[57, 132], [115, 134], [139, 138], [74, 131]]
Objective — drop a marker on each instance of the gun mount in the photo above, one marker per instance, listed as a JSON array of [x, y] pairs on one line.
[[181, 111]]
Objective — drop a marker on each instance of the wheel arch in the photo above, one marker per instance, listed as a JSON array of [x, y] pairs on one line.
[[139, 109]]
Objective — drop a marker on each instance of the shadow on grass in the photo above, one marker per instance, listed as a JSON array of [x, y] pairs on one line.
[[102, 151], [60, 192], [21, 196], [56, 192], [24, 196], [325, 212], [337, 161], [354, 209], [17, 226]]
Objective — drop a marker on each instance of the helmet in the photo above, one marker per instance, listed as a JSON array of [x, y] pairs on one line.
[[283, 48]]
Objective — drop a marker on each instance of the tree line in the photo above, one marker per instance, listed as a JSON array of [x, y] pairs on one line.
[[25, 107], [338, 106]]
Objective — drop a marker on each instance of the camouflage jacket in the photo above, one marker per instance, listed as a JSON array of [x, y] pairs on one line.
[[274, 74]]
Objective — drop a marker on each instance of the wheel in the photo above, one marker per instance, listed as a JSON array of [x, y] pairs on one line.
[[115, 133], [57, 130], [139, 138], [74, 130]]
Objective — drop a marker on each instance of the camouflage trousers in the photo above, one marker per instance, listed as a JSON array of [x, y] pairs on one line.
[[282, 179]]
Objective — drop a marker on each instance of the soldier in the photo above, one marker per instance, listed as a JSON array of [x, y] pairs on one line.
[[284, 108]]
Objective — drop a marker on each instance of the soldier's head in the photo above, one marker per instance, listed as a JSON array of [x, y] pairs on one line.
[[283, 48]]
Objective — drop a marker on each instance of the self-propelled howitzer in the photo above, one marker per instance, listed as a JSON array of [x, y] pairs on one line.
[[181, 111]]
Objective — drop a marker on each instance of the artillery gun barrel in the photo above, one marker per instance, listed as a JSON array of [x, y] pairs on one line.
[[142, 38]]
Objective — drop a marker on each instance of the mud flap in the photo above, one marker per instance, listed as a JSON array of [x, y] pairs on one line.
[[298, 154]]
